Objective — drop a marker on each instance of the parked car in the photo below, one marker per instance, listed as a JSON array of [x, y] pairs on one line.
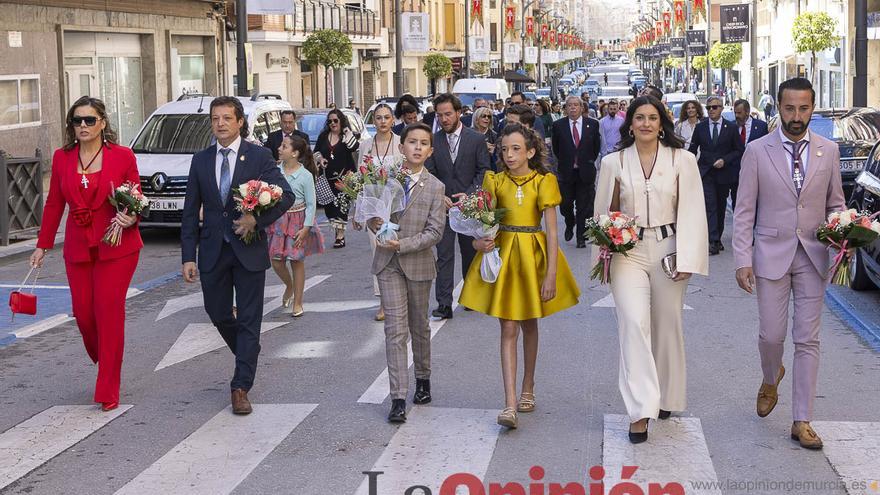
[[543, 93], [865, 265], [855, 131], [468, 90], [530, 95], [311, 121], [176, 131], [423, 101]]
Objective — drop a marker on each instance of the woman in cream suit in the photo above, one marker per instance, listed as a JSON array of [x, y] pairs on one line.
[[383, 150], [654, 180]]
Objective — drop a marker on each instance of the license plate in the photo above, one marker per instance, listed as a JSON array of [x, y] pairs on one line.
[[166, 204], [852, 165]]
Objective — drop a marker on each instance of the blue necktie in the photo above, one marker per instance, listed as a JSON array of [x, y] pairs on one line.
[[225, 178], [714, 132], [406, 189]]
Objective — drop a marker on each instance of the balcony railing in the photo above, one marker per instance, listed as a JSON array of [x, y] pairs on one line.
[[316, 15]]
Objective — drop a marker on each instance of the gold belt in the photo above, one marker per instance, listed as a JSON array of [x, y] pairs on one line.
[[528, 229]]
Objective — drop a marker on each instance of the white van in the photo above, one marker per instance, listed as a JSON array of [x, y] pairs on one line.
[[468, 90], [167, 141]]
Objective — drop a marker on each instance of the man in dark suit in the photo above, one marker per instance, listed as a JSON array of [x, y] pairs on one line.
[[409, 115], [749, 130], [288, 128], [460, 160], [224, 260], [720, 149], [576, 143]]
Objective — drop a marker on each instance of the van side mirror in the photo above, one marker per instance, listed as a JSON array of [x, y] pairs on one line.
[[869, 182]]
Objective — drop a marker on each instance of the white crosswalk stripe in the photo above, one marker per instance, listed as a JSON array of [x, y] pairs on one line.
[[212, 460], [200, 338], [380, 388], [31, 443], [675, 452], [853, 450], [433, 444]]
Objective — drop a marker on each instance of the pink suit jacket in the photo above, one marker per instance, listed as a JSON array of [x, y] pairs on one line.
[[770, 219]]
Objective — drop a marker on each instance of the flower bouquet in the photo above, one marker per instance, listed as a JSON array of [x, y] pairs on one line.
[[352, 183], [845, 230], [255, 197], [475, 216], [613, 233], [128, 200]]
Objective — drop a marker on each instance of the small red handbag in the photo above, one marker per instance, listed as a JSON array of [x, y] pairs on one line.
[[22, 302]]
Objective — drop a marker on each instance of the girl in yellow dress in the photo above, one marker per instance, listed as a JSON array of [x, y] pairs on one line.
[[535, 280]]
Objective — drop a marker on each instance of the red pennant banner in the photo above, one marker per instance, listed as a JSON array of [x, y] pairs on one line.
[[667, 22], [545, 32], [530, 27], [679, 12], [658, 29], [477, 11], [509, 17]]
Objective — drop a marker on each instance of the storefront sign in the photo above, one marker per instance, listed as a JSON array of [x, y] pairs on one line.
[[14, 39], [282, 61], [271, 7]]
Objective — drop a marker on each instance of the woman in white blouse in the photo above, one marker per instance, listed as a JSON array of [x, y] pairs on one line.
[[689, 116], [658, 183], [383, 150]]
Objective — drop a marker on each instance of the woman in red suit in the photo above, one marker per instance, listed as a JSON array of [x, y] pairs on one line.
[[84, 171]]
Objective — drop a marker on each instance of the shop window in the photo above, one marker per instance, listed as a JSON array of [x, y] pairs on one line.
[[192, 74], [19, 101]]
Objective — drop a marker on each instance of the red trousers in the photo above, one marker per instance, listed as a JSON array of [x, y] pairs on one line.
[[98, 289]]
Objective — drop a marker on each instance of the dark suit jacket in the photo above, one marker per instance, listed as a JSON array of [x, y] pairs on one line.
[[584, 155], [471, 162], [729, 148], [273, 142], [428, 118], [202, 193], [539, 126], [398, 128], [759, 130]]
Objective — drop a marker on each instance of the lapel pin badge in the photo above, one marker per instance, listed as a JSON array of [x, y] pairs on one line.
[[421, 184], [241, 158], [818, 153]]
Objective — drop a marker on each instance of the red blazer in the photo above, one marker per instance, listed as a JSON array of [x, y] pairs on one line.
[[85, 221]]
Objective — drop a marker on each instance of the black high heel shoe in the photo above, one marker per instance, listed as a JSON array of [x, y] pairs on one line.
[[340, 243], [664, 414], [638, 437]]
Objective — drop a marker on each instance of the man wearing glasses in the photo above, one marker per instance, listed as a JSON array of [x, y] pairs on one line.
[[721, 149]]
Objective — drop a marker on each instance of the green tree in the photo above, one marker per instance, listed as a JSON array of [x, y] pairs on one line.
[[328, 48], [437, 65], [480, 68], [724, 56], [814, 32], [673, 62], [699, 62]]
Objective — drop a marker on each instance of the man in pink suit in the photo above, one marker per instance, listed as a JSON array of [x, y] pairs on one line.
[[789, 183]]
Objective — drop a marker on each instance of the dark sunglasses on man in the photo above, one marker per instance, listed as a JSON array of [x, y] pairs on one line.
[[713, 107], [89, 121]]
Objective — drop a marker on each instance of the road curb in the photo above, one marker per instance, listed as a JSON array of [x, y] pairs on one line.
[[26, 246], [843, 309]]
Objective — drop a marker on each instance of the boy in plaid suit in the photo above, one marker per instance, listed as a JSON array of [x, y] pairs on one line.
[[406, 270]]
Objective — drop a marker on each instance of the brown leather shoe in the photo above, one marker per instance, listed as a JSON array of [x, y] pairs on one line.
[[240, 402], [806, 435], [768, 396]]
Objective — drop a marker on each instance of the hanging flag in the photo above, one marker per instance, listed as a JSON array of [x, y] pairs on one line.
[[552, 37], [658, 29], [477, 11], [509, 17], [530, 27], [679, 12], [545, 33], [667, 22], [699, 9]]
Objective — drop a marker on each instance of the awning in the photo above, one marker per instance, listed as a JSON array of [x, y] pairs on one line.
[[515, 77]]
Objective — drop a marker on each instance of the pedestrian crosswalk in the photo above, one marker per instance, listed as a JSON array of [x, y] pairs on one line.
[[31, 443], [219, 455], [434, 444]]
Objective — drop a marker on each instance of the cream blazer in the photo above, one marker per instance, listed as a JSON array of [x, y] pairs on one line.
[[675, 195]]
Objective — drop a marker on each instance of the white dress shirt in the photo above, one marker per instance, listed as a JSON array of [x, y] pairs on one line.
[[233, 159], [788, 144]]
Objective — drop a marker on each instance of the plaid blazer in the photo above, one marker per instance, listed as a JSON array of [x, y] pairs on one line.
[[421, 227]]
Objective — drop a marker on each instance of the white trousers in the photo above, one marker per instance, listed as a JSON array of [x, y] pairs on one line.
[[649, 304]]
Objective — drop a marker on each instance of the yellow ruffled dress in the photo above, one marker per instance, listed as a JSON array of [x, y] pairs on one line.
[[516, 295]]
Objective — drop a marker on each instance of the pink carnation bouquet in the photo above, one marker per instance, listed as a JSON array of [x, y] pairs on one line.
[[255, 197], [848, 229]]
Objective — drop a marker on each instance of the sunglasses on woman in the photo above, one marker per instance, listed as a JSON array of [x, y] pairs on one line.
[[89, 121], [333, 121]]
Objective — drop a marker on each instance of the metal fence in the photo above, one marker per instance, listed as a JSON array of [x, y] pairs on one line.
[[21, 180], [349, 19]]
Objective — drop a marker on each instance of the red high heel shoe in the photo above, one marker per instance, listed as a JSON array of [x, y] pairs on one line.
[[109, 406]]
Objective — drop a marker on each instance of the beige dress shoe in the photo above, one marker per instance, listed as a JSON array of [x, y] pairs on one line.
[[806, 435], [768, 395]]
